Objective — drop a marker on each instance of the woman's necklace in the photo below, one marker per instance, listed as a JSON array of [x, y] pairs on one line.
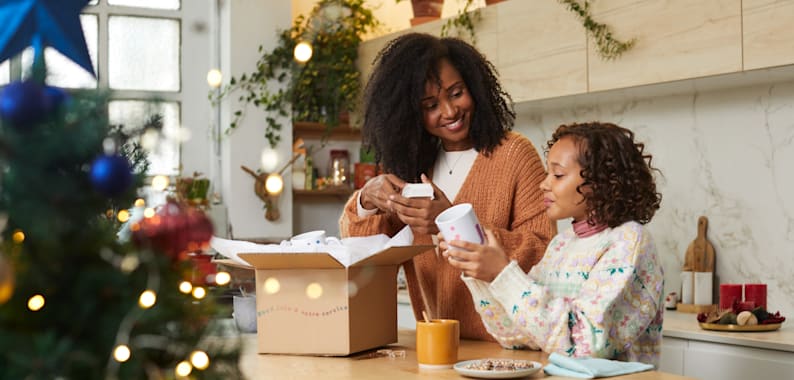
[[446, 163]]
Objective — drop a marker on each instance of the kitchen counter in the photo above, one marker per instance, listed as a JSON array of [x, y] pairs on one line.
[[359, 366], [685, 326]]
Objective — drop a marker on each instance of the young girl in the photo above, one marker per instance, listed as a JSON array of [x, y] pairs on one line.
[[597, 292]]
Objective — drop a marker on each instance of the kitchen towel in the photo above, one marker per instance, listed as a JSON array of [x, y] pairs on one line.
[[589, 368]]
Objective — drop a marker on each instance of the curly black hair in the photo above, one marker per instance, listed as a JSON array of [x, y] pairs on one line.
[[618, 181], [393, 118]]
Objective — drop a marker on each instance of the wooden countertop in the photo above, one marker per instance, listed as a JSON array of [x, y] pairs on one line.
[[263, 366], [685, 326]]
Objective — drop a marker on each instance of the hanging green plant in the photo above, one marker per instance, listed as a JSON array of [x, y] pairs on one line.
[[463, 22], [608, 47], [318, 90]]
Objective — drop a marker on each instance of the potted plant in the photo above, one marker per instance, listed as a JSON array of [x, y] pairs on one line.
[[322, 88]]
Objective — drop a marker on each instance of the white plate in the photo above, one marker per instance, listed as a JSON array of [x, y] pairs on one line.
[[462, 368]]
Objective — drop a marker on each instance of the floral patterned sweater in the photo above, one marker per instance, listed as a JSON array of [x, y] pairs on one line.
[[599, 296]]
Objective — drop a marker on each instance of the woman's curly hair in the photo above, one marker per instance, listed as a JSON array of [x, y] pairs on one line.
[[618, 181], [393, 117]]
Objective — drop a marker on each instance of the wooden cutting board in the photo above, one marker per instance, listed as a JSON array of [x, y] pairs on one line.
[[700, 253]]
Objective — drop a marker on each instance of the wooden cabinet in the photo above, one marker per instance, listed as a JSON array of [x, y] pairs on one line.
[[767, 33]]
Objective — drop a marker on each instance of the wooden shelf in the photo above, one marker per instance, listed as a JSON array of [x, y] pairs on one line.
[[312, 130], [341, 193]]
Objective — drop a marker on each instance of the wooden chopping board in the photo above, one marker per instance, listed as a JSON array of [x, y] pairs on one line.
[[700, 253]]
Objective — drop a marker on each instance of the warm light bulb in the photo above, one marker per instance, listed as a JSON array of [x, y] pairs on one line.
[[147, 299], [214, 78], [148, 212], [274, 184], [272, 286], [269, 160], [199, 292], [140, 202], [222, 278], [36, 302], [129, 263], [200, 360], [123, 216], [303, 52], [121, 353], [314, 290], [159, 182], [185, 287], [183, 369]]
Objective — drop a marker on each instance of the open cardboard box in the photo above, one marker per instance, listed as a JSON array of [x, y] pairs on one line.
[[309, 303]]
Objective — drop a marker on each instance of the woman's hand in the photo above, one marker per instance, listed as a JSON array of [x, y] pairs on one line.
[[376, 192], [420, 213], [483, 262]]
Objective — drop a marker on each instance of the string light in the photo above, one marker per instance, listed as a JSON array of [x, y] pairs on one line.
[[121, 353], [160, 182], [129, 263], [214, 78], [148, 212], [302, 52], [140, 202], [185, 287], [314, 290], [123, 216], [199, 292], [18, 236], [200, 360], [222, 278], [183, 369], [36, 302], [147, 299], [272, 286]]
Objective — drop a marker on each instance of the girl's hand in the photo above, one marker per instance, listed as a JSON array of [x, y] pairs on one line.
[[376, 192], [483, 262], [420, 213]]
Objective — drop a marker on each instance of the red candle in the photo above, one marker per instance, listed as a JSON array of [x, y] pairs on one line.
[[730, 293], [755, 293]]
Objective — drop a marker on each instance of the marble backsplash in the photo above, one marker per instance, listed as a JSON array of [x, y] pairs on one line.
[[725, 154]]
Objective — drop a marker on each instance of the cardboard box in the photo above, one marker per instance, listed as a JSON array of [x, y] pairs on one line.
[[309, 303]]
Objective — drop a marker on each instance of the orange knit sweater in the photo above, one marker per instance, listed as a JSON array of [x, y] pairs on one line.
[[504, 190]]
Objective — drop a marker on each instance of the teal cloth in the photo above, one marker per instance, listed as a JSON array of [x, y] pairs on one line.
[[589, 368]]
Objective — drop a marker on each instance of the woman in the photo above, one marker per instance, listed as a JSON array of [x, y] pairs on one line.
[[598, 290], [433, 108]]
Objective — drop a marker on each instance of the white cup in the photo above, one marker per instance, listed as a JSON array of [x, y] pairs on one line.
[[459, 222], [312, 240], [244, 313]]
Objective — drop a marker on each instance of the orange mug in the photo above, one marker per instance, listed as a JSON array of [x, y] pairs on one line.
[[437, 343]]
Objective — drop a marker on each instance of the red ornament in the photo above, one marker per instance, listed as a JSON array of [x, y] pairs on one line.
[[176, 229]]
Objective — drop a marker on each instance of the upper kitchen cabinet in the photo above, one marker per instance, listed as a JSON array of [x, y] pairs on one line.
[[768, 40], [542, 50], [676, 39]]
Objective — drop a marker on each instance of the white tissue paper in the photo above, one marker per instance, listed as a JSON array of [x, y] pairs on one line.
[[351, 251]]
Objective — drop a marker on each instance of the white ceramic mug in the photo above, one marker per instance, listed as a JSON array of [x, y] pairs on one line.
[[459, 222], [312, 240], [244, 313]]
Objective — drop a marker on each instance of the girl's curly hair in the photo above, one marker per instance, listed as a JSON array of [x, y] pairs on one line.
[[393, 117], [618, 181]]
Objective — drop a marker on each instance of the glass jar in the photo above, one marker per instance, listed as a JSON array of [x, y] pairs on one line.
[[339, 168]]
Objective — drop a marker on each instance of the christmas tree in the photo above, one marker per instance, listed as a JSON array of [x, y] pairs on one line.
[[75, 301]]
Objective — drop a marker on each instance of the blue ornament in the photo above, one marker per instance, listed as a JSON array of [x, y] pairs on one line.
[[41, 23], [23, 104], [111, 175], [54, 97]]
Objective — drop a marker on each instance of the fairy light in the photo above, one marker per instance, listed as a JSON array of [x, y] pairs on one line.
[[272, 286], [121, 353], [302, 52], [129, 263], [200, 360], [148, 212], [123, 216], [140, 202], [109, 213], [185, 287], [222, 278], [159, 182], [36, 302], [214, 78], [18, 236], [314, 290], [183, 369], [147, 299], [199, 292]]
